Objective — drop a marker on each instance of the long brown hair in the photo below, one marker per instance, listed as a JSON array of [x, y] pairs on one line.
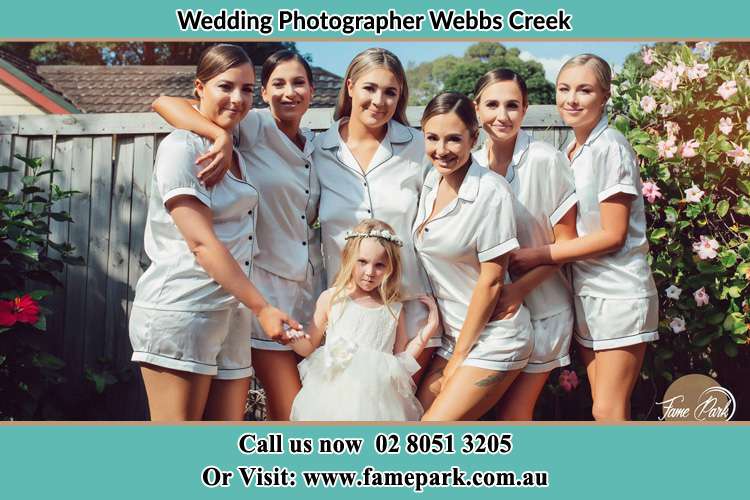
[[219, 58], [390, 288], [373, 58]]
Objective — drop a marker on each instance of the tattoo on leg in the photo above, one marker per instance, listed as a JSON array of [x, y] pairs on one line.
[[493, 379]]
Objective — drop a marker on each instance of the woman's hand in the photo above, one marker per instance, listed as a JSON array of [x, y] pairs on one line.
[[274, 321], [524, 260], [510, 301], [217, 160]]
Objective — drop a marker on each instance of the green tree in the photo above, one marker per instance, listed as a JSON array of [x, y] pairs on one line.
[[450, 73], [116, 53]]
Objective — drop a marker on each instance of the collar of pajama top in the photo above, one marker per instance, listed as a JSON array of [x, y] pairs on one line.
[[389, 191], [289, 195], [175, 280], [477, 226], [543, 192], [604, 166]]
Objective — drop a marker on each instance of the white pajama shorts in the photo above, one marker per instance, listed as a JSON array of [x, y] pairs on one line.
[[215, 343], [612, 323], [551, 342], [503, 345], [296, 298]]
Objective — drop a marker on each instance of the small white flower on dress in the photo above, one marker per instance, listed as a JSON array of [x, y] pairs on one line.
[[338, 355]]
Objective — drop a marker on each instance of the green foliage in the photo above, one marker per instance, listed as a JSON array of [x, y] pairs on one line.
[[690, 107], [450, 73], [117, 53], [29, 260]]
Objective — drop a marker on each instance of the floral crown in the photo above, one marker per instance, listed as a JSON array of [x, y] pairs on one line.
[[382, 234]]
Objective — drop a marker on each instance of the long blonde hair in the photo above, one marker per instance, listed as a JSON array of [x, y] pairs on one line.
[[390, 288], [368, 60]]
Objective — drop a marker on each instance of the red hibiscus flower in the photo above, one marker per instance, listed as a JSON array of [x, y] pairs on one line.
[[19, 310]]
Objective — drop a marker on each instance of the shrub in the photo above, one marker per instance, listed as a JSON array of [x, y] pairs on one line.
[[28, 263], [687, 115]]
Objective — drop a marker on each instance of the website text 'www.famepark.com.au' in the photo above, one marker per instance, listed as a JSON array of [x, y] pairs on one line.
[[370, 477]]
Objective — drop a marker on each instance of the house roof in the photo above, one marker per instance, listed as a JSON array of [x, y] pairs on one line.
[[130, 89], [22, 76]]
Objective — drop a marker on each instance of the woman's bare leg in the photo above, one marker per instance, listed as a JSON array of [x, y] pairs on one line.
[[278, 374], [175, 395], [589, 361], [519, 400], [428, 389], [227, 400], [617, 371], [469, 394], [424, 360]]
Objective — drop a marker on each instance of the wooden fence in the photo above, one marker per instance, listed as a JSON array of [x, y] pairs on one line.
[[109, 159]]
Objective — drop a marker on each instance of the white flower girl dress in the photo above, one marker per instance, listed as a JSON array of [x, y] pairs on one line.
[[355, 375]]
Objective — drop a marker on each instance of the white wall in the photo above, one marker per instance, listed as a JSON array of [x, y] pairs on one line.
[[14, 104]]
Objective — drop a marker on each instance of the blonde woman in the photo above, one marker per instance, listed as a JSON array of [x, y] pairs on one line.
[[356, 376], [544, 197], [615, 297], [371, 164]]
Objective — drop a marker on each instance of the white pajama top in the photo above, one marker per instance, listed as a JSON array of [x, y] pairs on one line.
[[477, 226], [604, 166], [544, 191], [175, 280], [388, 191], [289, 194]]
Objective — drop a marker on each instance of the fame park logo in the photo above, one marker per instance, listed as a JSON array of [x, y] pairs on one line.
[[697, 398]]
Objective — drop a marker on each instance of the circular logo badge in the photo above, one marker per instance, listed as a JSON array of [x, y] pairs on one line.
[[697, 398]]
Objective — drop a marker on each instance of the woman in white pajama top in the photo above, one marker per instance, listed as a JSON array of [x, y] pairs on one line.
[[544, 196], [288, 266], [464, 232], [372, 165], [615, 296], [190, 324]]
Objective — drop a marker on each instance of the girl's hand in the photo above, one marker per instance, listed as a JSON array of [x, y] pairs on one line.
[[417, 344], [219, 159], [510, 301], [433, 317], [274, 321], [524, 260]]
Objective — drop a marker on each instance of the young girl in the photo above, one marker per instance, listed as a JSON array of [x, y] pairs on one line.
[[190, 323], [364, 370], [288, 266], [371, 164], [464, 231], [615, 296], [545, 212]]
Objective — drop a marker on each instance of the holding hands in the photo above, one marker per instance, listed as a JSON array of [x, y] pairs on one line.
[[279, 326]]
